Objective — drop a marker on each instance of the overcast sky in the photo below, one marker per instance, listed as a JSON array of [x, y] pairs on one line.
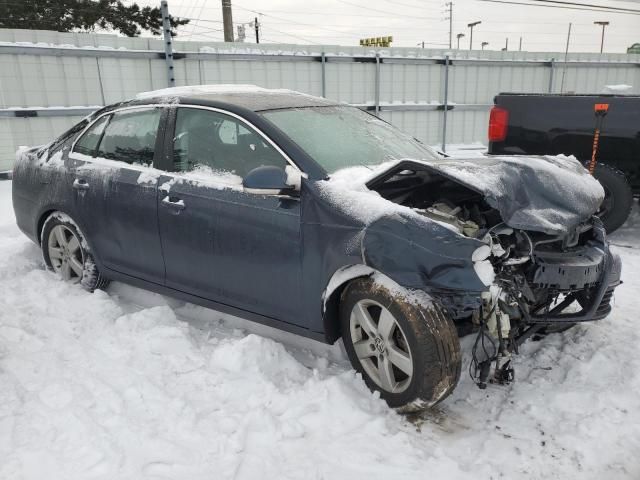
[[410, 22]]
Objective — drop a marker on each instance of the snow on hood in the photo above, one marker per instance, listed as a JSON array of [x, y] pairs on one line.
[[550, 194]]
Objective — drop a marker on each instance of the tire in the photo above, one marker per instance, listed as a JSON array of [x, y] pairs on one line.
[[618, 200], [422, 337], [72, 259]]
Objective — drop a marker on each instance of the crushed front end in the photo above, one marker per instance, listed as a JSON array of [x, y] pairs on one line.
[[543, 283], [542, 256]]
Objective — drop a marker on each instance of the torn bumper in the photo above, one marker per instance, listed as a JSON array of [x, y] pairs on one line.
[[575, 277]]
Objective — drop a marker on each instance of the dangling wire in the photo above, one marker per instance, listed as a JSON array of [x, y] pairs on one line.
[[479, 369]]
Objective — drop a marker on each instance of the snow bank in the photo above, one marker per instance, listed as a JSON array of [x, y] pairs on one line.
[[130, 385]]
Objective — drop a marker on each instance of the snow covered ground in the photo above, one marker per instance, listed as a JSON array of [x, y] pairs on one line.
[[126, 384]]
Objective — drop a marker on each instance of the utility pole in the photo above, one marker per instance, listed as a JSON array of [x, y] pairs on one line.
[[168, 42], [506, 44], [566, 54], [471, 25], [603, 24], [484, 44], [520, 45], [450, 5], [459, 36], [227, 20], [256, 25]]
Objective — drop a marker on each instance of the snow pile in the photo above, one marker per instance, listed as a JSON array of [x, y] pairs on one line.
[[129, 385], [617, 89]]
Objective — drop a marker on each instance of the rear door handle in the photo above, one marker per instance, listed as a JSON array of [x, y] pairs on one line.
[[80, 184], [173, 202]]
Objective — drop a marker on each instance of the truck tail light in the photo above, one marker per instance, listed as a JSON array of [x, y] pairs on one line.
[[498, 124]]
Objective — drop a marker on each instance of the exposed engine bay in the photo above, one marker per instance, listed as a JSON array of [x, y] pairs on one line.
[[537, 283]]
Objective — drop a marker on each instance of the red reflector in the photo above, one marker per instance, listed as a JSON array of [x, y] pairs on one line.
[[498, 123]]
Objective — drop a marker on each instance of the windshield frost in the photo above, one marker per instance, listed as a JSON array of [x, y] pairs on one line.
[[338, 137]]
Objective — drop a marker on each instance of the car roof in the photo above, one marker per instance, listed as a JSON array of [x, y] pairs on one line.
[[250, 97]]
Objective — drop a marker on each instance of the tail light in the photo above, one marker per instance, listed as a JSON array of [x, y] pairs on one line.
[[498, 124]]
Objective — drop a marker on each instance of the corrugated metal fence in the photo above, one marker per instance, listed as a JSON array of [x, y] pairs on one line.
[[49, 80]]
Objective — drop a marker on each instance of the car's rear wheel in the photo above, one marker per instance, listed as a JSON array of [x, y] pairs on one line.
[[407, 350], [66, 252]]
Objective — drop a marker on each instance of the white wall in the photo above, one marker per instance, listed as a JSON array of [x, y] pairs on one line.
[[116, 68]]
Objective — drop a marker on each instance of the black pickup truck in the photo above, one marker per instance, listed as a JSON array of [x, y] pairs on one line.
[[542, 124]]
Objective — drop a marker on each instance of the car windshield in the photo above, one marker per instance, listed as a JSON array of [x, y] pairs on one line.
[[338, 137]]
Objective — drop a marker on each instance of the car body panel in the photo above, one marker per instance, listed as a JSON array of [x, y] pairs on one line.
[[233, 247]]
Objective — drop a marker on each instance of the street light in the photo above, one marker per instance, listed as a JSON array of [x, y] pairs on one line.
[[603, 24], [459, 36], [471, 25], [484, 44]]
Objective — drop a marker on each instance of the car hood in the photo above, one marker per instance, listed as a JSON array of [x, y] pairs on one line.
[[550, 194]]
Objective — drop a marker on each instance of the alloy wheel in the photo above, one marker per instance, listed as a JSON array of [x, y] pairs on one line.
[[381, 346], [65, 253]]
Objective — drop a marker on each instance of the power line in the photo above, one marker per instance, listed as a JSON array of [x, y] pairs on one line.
[[386, 11], [605, 7], [508, 2]]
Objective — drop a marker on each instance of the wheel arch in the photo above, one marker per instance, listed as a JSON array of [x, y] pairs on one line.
[[332, 295], [50, 210], [41, 221]]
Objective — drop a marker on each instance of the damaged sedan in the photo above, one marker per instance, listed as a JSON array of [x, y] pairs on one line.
[[322, 220]]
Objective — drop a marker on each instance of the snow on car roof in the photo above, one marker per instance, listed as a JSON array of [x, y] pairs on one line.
[[248, 96]]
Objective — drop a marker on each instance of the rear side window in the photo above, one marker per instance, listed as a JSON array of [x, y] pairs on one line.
[[88, 143], [130, 136]]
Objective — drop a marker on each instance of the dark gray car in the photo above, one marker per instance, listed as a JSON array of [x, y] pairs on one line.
[[322, 220]]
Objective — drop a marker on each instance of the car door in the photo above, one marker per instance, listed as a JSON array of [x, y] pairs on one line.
[[219, 242], [116, 192]]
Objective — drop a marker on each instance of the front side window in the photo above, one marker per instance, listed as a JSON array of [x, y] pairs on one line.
[[130, 136], [209, 140], [88, 143], [340, 136]]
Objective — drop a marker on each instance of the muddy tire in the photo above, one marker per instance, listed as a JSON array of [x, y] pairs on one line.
[[407, 350], [618, 199], [65, 251]]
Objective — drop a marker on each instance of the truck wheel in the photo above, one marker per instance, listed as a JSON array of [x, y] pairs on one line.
[[66, 252], [408, 352], [618, 199]]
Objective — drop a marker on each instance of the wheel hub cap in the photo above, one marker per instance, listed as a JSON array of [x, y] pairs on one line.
[[65, 253], [381, 346]]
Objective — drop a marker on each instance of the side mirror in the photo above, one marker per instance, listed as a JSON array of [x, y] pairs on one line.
[[267, 180]]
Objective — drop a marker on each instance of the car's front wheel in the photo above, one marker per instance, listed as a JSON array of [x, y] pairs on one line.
[[406, 349], [66, 252]]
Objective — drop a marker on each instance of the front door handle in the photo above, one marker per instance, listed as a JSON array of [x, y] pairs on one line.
[[80, 184], [174, 203]]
